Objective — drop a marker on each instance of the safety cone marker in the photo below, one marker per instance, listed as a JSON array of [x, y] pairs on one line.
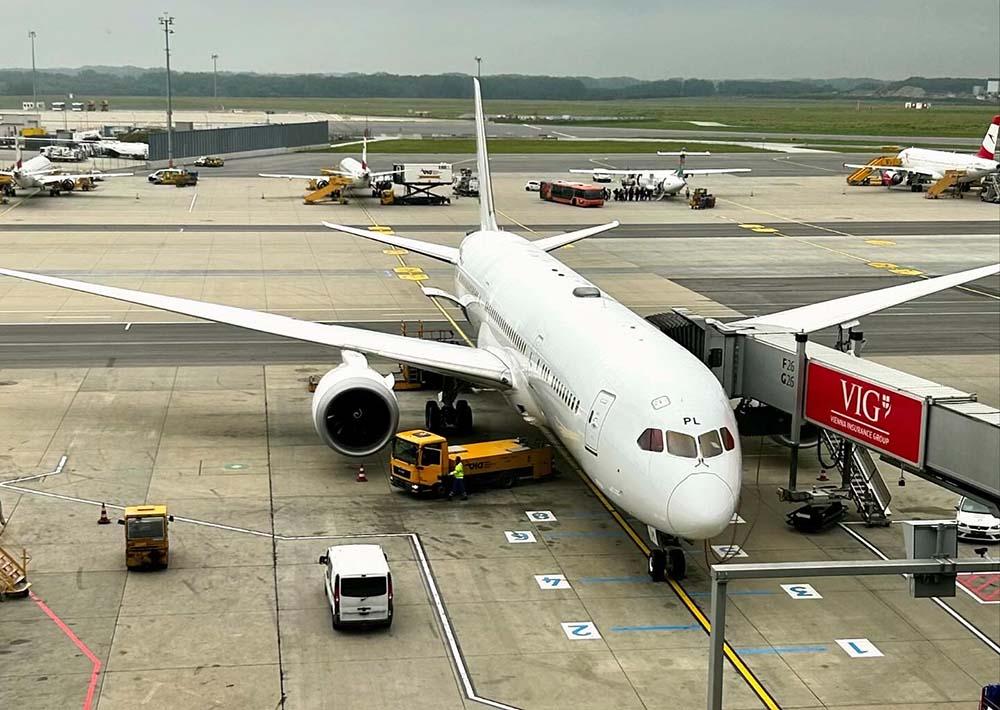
[[104, 519], [361, 478], [822, 476]]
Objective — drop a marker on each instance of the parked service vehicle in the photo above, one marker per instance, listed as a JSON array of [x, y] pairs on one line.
[[147, 544], [976, 522], [358, 585], [164, 175], [533, 186], [209, 161]]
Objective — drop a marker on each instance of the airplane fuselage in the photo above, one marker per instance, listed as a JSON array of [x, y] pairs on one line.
[[355, 170], [936, 162], [603, 380]]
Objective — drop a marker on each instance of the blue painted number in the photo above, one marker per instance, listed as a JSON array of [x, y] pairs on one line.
[[857, 648], [580, 629]]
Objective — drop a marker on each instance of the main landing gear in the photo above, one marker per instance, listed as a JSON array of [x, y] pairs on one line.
[[456, 416], [666, 559]]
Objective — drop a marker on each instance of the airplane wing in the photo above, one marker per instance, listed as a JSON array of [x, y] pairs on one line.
[[688, 172], [606, 171], [469, 364], [893, 169], [434, 251], [817, 316], [383, 173], [561, 240], [52, 178], [302, 177]]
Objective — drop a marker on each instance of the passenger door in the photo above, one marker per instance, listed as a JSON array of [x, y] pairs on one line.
[[595, 422]]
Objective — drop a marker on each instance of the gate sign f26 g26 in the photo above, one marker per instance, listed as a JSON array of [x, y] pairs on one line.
[[875, 416]]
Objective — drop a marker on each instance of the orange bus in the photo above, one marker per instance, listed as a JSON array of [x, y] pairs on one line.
[[578, 194]]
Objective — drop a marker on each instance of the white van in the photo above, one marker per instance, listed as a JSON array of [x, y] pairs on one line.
[[358, 585]]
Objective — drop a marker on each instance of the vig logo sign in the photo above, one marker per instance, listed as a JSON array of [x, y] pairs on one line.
[[865, 402]]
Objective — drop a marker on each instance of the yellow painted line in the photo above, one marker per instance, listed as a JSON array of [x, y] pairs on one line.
[[880, 242], [414, 277], [408, 270], [906, 272], [734, 658], [882, 265], [395, 251]]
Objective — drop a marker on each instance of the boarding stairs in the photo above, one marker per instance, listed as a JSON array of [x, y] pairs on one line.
[[950, 179], [990, 191], [331, 187], [861, 478], [13, 575], [862, 176]]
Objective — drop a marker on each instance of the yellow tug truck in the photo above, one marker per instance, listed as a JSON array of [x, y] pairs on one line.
[[147, 544], [422, 462]]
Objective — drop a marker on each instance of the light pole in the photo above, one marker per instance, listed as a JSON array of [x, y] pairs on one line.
[[34, 84], [167, 21], [215, 76], [479, 66]]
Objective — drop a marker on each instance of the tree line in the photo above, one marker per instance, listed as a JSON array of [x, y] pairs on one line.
[[151, 82]]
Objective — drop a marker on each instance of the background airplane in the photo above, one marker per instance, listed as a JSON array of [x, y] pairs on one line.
[[645, 419], [664, 183], [358, 172], [918, 165], [39, 172]]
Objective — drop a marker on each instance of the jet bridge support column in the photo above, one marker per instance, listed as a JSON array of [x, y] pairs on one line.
[[800, 391]]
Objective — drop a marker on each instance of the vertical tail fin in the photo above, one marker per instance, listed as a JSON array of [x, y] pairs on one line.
[[989, 147], [364, 152], [487, 214], [19, 159]]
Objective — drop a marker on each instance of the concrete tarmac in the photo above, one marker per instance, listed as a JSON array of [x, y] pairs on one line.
[[240, 619]]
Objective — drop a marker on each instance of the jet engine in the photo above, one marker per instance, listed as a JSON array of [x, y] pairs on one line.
[[67, 185], [897, 178], [354, 408]]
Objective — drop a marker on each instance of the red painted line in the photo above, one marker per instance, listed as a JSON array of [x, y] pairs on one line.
[[95, 662]]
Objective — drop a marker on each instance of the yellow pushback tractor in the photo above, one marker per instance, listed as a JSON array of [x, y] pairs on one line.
[[147, 544], [422, 462]]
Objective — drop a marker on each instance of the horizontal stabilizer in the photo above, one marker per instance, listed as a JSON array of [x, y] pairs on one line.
[[434, 251], [561, 240], [825, 314]]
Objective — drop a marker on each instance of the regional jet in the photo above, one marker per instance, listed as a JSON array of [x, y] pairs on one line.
[[645, 419], [360, 175], [920, 165], [39, 172], [663, 183]]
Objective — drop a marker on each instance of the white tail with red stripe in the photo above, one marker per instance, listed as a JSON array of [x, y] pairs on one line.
[[989, 147]]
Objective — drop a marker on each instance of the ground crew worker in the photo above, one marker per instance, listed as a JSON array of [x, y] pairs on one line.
[[458, 484]]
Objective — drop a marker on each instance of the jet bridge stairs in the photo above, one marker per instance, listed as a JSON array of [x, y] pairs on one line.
[[959, 437]]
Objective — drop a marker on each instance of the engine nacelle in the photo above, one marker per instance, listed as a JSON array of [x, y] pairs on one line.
[[354, 409], [896, 178], [67, 185]]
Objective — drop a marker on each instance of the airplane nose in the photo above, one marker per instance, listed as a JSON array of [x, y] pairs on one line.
[[700, 506]]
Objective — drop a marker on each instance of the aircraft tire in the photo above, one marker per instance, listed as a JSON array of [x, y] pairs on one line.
[[676, 563], [657, 565], [432, 416], [463, 416]]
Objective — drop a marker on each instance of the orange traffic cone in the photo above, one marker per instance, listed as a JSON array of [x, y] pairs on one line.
[[104, 519], [822, 476], [361, 477]]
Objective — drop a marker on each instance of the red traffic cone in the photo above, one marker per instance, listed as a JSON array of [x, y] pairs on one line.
[[104, 519], [822, 475], [361, 477]]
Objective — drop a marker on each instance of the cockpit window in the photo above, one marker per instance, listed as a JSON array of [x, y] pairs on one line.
[[710, 444], [651, 440], [727, 439], [681, 445]]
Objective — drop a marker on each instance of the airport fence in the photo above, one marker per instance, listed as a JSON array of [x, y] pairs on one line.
[[241, 139]]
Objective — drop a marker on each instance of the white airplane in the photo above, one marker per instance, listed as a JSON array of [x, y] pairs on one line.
[[643, 417], [358, 172], [39, 172], [664, 183], [920, 165]]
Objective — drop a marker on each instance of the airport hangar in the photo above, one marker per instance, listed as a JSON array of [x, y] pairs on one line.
[[213, 421]]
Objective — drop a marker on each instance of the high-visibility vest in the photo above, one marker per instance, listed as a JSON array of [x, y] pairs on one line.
[[459, 471]]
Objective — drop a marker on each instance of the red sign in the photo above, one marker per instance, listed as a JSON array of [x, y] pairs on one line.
[[873, 415]]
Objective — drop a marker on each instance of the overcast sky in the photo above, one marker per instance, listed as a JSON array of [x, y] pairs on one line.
[[889, 39]]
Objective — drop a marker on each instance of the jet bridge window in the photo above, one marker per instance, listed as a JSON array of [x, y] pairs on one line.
[[683, 445], [651, 440], [710, 444]]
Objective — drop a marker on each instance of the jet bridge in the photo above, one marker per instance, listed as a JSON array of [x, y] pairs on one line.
[[859, 407]]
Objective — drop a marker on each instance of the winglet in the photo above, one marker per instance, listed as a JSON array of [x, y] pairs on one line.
[[487, 214]]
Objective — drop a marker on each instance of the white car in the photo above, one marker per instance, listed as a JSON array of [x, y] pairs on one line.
[[976, 522], [533, 186], [358, 585]]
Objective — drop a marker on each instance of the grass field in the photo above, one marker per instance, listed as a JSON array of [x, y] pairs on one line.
[[887, 118], [462, 146]]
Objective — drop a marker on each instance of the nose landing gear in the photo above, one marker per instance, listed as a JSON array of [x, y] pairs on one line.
[[666, 559]]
